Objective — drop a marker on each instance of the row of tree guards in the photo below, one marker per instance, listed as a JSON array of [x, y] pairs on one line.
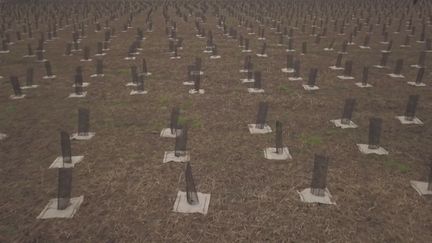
[[257, 29]]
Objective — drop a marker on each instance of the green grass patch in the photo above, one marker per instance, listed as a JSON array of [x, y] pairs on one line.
[[123, 71], [6, 113], [285, 89], [186, 104], [157, 126], [119, 103], [334, 131], [193, 122], [10, 109], [164, 100], [397, 165], [311, 140]]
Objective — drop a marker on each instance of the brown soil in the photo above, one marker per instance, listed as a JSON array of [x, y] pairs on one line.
[[129, 193]]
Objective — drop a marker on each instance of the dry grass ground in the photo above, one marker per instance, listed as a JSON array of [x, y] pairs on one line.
[[129, 193]]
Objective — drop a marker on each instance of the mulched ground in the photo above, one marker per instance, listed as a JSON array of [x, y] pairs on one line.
[[129, 193]]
